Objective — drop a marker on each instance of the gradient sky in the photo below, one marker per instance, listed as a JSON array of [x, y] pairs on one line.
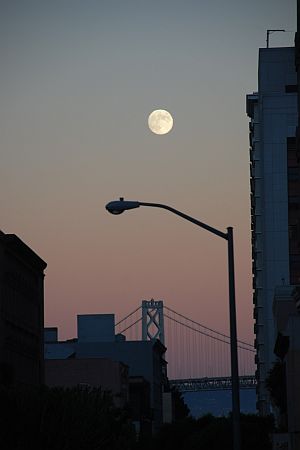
[[78, 80]]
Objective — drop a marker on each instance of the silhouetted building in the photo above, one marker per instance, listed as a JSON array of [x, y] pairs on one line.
[[21, 313], [287, 348], [297, 65], [140, 406], [275, 197], [96, 339]]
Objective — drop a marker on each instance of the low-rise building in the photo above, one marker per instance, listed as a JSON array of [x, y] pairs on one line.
[[96, 340]]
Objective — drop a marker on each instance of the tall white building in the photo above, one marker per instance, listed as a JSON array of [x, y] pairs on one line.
[[275, 197]]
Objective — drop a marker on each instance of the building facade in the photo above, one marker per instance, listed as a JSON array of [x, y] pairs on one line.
[[275, 198], [96, 340], [110, 375], [21, 313]]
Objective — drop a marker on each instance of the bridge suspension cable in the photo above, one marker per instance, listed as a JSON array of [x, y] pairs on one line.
[[208, 335], [131, 325], [205, 327], [194, 350], [127, 317]]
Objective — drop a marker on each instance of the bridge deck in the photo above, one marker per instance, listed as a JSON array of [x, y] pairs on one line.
[[212, 384]]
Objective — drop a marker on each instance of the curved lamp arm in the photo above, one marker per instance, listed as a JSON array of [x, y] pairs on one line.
[[119, 206]]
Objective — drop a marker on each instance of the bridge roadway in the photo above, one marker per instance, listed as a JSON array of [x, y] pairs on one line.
[[211, 384]]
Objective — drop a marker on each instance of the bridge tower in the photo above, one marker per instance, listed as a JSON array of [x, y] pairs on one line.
[[153, 320]]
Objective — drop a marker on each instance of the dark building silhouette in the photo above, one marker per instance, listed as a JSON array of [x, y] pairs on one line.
[[21, 313], [140, 405], [96, 340], [297, 65]]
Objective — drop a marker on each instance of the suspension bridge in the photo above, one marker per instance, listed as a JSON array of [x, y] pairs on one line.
[[198, 356]]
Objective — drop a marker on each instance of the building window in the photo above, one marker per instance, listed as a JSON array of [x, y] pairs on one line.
[[295, 270], [291, 88]]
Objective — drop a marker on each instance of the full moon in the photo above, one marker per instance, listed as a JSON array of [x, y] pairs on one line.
[[160, 121]]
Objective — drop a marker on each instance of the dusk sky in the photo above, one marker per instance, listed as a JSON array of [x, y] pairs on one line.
[[78, 81]]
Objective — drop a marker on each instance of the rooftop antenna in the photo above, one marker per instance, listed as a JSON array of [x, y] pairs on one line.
[[268, 35]]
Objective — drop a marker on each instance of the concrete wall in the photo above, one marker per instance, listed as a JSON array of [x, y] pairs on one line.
[[96, 328]]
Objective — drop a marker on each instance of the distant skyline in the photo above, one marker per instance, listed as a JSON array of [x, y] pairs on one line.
[[78, 81]]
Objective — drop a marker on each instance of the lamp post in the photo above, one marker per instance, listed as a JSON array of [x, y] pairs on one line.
[[118, 207]]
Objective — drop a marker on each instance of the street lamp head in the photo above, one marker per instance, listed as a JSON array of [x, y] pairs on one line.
[[119, 206]]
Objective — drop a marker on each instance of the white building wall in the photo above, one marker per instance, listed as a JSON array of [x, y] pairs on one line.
[[273, 115]]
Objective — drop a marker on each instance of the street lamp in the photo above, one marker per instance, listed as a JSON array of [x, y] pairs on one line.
[[118, 207]]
